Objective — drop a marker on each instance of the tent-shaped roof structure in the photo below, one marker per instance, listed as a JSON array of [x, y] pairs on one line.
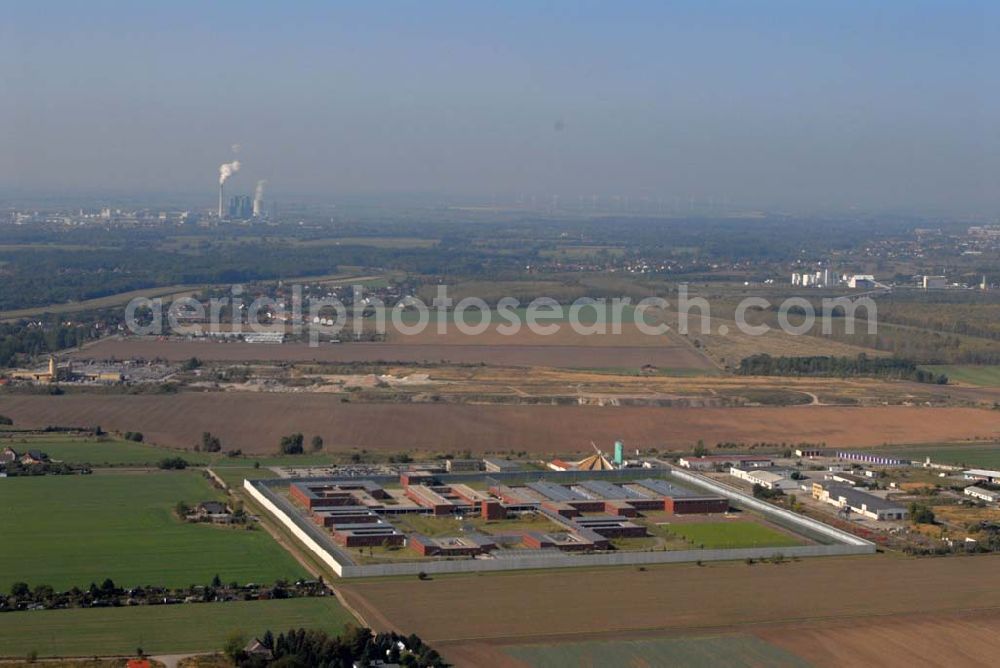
[[595, 462]]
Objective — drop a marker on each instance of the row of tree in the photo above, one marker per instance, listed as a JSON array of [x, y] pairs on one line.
[[25, 597], [16, 468], [356, 646], [839, 367], [294, 444]]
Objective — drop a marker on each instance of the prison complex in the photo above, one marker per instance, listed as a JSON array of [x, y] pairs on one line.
[[585, 515]]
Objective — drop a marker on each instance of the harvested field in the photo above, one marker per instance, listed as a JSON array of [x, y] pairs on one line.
[[734, 345], [552, 606], [254, 422], [671, 356], [736, 651], [939, 640], [968, 639], [630, 336]]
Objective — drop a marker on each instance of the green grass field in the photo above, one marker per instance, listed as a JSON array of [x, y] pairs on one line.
[[165, 628], [107, 451], [733, 651], [731, 535], [974, 455], [70, 531], [985, 376], [97, 452]]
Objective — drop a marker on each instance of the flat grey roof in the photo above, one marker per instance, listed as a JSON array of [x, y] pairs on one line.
[[343, 510], [664, 488], [368, 526], [503, 463], [857, 498], [606, 490], [554, 492]]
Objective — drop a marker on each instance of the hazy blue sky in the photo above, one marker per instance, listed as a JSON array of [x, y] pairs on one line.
[[779, 104]]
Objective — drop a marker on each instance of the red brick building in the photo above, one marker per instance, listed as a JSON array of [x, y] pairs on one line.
[[696, 505], [493, 510]]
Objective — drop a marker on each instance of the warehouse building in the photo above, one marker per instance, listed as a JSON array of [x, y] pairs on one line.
[[872, 458], [711, 462], [983, 494], [982, 475], [808, 454], [863, 503], [773, 480]]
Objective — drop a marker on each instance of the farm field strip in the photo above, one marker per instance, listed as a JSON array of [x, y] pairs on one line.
[[257, 421], [967, 639], [195, 627], [736, 651], [99, 452], [982, 376], [68, 531], [670, 356], [894, 641], [975, 455], [721, 595]]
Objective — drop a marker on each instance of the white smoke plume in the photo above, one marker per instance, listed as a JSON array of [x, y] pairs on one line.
[[228, 169], [258, 197]]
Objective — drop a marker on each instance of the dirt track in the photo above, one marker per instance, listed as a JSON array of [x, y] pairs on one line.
[[254, 422]]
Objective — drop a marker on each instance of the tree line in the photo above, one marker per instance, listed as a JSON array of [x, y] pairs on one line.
[[356, 646], [22, 596], [838, 367]]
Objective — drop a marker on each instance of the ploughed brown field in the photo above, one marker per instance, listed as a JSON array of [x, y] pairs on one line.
[[575, 604], [956, 639], [942, 639], [255, 422], [665, 356], [628, 336]]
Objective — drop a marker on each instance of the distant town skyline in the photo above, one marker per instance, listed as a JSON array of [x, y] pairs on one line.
[[770, 105]]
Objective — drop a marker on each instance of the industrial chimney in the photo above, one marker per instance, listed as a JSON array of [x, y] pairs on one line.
[[221, 188]]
